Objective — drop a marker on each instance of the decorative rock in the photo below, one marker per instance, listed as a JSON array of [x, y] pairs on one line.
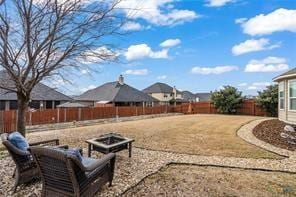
[[289, 128], [284, 135]]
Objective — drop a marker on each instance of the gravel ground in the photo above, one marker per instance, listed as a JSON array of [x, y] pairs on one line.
[[270, 132], [185, 180], [130, 171]]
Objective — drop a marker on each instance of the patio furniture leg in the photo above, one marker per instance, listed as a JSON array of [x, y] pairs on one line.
[[89, 150], [130, 149], [17, 179], [13, 175]]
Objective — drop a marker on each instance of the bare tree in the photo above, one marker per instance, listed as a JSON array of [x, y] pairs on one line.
[[44, 38]]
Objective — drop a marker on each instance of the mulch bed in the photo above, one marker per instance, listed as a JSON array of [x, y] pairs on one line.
[[269, 131]]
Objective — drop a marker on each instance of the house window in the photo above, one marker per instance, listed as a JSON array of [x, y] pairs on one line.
[[2, 105], [56, 103], [48, 105], [12, 105], [292, 95], [281, 95], [34, 104]]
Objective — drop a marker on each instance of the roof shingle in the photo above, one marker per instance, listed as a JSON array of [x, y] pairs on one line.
[[39, 92], [115, 92]]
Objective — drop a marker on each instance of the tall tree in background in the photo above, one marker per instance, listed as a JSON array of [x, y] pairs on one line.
[[45, 38], [227, 100], [268, 100]]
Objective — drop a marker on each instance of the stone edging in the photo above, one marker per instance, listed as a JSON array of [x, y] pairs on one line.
[[245, 132]]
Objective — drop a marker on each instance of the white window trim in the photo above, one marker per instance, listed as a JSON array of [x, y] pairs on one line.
[[291, 110], [284, 86]]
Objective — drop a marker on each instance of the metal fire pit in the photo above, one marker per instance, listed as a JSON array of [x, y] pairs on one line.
[[109, 143]]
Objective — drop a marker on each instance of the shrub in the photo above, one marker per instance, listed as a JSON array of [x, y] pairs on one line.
[[268, 100], [227, 100]]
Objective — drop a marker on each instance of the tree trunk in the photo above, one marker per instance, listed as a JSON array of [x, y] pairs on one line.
[[22, 103]]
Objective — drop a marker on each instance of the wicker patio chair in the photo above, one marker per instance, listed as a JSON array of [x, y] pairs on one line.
[[26, 169], [65, 175]]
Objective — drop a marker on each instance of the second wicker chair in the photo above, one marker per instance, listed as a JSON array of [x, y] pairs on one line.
[[65, 175]]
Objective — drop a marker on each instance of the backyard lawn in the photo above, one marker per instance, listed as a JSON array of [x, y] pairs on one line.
[[185, 180], [190, 134]]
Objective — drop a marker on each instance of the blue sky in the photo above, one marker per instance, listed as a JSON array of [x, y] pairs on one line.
[[209, 43]]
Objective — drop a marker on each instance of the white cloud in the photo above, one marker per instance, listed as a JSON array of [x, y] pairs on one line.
[[132, 26], [218, 3], [97, 55], [213, 70], [278, 20], [141, 51], [269, 64], [156, 12], [252, 88], [240, 20], [253, 45], [264, 84], [162, 77], [242, 84], [85, 71], [137, 72], [87, 88], [258, 85], [170, 43]]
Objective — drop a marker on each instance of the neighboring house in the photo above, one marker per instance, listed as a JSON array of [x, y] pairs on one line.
[[188, 96], [164, 93], [203, 97], [198, 97], [116, 94], [72, 104], [287, 96], [42, 96]]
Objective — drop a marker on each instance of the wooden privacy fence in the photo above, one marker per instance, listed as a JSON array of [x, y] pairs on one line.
[[8, 119]]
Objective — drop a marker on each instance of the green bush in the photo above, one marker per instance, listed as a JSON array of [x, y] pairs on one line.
[[227, 100], [268, 100]]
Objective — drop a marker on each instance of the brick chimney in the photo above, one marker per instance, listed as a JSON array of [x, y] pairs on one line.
[[175, 92], [121, 80]]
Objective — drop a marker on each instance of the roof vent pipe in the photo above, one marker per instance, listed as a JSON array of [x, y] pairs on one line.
[[121, 80]]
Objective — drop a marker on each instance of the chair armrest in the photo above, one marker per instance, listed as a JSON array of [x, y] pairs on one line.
[[21, 152], [99, 162], [63, 146], [53, 142]]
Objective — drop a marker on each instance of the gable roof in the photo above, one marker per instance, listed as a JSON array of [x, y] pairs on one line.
[[115, 92], [188, 96], [290, 73], [203, 96], [39, 92], [159, 88], [71, 104]]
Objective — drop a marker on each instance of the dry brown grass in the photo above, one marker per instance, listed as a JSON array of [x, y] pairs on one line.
[[184, 180], [191, 134]]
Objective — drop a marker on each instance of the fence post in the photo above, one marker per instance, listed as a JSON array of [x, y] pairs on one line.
[[117, 116], [30, 117], [210, 108], [254, 109], [143, 109], [16, 119], [65, 114], [58, 115], [79, 114]]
